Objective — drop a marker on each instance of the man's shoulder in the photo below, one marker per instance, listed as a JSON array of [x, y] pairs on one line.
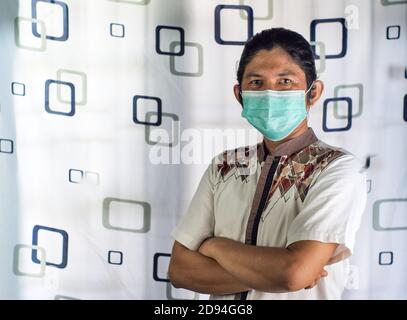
[[328, 153], [321, 148], [333, 158]]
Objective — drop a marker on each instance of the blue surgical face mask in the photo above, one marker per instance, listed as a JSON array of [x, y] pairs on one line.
[[275, 114]]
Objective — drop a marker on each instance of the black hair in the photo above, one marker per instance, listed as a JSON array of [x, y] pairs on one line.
[[291, 42]]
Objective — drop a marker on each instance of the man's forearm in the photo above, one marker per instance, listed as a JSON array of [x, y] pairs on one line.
[[194, 271], [261, 268]]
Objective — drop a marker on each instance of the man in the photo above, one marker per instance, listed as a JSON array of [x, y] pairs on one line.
[[276, 220]]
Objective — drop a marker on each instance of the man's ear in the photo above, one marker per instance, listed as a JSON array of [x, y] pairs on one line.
[[238, 94], [315, 92]]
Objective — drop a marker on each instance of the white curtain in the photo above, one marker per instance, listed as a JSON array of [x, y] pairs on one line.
[[88, 197]]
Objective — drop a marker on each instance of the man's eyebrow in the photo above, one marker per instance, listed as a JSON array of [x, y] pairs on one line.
[[286, 73], [253, 74], [280, 74]]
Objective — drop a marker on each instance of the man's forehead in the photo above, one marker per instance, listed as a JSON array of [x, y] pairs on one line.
[[276, 61]]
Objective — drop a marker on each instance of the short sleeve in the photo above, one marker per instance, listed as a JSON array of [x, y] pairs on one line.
[[333, 207], [199, 221]]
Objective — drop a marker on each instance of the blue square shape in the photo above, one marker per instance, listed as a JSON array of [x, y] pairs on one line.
[[250, 19], [341, 54], [65, 34], [64, 248], [122, 31], [10, 144], [181, 41], [155, 266], [386, 258], [71, 86], [159, 110], [324, 117], [111, 260], [18, 89], [70, 175], [391, 30]]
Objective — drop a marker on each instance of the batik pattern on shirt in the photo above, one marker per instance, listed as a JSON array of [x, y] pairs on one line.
[[299, 169]]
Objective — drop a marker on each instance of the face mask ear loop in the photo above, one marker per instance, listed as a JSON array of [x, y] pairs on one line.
[[240, 95], [306, 92], [310, 87]]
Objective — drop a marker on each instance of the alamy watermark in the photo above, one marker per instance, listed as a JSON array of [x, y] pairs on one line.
[[199, 146]]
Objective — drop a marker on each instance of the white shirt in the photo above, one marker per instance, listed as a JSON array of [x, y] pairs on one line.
[[318, 192]]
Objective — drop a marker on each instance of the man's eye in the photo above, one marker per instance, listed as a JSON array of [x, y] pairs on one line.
[[285, 81], [256, 82]]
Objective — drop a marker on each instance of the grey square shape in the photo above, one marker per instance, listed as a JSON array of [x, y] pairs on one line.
[[199, 73], [43, 38], [376, 215], [269, 13], [147, 129], [168, 292], [92, 173], [322, 55], [84, 86], [146, 215], [336, 95], [43, 259]]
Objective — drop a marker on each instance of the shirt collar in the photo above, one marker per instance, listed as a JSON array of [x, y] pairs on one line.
[[289, 147]]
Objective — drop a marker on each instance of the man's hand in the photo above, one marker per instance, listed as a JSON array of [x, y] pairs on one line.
[[206, 246], [300, 266], [323, 274]]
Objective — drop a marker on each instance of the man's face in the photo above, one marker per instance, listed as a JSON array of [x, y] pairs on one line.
[[276, 70], [273, 70]]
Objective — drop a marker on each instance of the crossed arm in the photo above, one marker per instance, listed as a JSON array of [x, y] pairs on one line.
[[224, 266]]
